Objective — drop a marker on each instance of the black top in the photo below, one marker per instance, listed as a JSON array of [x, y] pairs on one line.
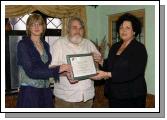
[[128, 70]]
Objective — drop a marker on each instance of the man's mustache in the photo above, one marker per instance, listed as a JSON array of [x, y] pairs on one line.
[[77, 34]]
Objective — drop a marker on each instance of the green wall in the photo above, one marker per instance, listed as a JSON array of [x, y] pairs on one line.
[[97, 24]]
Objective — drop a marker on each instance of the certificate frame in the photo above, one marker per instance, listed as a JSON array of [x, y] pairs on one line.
[[92, 66]]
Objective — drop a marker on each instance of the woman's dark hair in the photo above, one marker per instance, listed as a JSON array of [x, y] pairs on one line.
[[136, 24]]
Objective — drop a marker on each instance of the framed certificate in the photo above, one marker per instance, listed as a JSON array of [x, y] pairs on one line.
[[83, 66]]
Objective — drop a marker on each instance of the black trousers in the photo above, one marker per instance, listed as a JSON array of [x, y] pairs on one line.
[[138, 102]]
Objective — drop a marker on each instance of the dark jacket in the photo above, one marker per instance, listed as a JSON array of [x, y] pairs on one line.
[[29, 58], [128, 71]]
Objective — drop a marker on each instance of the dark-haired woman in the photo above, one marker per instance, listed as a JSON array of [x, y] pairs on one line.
[[124, 69]]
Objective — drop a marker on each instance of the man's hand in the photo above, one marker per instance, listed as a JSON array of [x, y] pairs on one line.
[[69, 77], [65, 68], [97, 58]]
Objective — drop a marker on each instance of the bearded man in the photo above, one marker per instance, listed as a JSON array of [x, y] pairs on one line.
[[80, 94]]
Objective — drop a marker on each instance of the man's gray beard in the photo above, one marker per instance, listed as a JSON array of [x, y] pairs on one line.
[[76, 39]]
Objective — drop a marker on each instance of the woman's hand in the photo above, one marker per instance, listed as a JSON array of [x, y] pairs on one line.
[[101, 75], [66, 70]]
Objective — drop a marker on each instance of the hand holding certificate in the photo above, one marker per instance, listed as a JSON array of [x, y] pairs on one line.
[[83, 66]]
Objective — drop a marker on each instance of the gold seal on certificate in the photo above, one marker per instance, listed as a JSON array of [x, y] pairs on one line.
[[83, 66]]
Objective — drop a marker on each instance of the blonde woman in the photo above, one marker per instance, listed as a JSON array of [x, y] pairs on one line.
[[34, 57]]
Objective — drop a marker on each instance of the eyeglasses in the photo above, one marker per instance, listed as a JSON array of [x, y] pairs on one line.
[[36, 25]]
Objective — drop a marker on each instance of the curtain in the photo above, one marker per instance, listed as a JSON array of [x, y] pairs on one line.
[[64, 12]]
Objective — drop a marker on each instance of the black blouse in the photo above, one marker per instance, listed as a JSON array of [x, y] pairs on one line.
[[128, 70]]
